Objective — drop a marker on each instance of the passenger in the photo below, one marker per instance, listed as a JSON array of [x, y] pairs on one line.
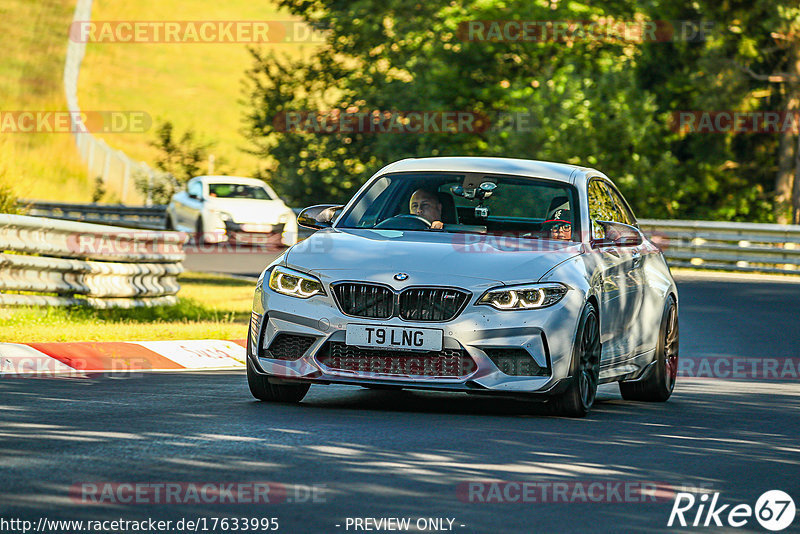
[[559, 224]]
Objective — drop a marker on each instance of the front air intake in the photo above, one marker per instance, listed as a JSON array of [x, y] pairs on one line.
[[515, 362]]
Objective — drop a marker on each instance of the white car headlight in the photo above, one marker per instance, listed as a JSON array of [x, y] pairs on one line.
[[524, 297], [294, 284], [223, 215]]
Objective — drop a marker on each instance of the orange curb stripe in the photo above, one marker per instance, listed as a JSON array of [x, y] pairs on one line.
[[106, 356]]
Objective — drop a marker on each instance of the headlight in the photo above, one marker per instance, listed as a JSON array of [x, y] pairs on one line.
[[224, 216], [524, 297], [288, 282]]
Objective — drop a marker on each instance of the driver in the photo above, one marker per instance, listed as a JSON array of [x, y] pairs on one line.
[[425, 204]]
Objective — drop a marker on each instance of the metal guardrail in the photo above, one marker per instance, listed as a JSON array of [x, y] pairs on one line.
[[727, 246], [150, 217], [55, 262]]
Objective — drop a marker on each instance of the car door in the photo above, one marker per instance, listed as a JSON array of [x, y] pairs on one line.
[[613, 264], [191, 205], [634, 273]]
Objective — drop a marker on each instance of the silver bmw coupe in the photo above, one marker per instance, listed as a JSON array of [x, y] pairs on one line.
[[470, 274]]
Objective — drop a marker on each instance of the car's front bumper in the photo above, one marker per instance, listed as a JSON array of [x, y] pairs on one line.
[[546, 334], [280, 232]]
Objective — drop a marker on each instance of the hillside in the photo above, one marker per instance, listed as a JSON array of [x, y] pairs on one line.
[[33, 38], [195, 86]]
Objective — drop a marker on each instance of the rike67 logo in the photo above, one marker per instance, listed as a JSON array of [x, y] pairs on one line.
[[774, 510]]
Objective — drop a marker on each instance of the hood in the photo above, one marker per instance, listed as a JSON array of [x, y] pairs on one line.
[[440, 258], [244, 210]]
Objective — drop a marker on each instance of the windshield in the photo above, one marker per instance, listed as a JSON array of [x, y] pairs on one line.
[[238, 191], [467, 203]]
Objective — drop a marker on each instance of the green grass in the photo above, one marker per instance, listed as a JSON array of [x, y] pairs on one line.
[[209, 307], [33, 40], [195, 86]]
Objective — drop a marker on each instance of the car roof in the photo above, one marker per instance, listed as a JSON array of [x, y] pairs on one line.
[[219, 179], [520, 167]]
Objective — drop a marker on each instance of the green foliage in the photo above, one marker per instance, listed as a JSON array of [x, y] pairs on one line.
[[180, 158], [604, 104], [8, 201], [99, 189]]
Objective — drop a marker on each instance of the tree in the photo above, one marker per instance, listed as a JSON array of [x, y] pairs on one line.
[[738, 66], [179, 159], [595, 102]]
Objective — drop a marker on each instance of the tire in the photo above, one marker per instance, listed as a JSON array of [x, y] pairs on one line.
[[579, 397], [199, 237], [262, 389], [659, 385]]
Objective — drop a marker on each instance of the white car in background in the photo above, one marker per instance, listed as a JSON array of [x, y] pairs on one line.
[[227, 208]]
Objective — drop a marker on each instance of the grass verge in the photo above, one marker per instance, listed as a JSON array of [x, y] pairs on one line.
[[210, 307], [33, 40]]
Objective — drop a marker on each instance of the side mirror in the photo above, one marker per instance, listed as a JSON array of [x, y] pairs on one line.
[[318, 217], [618, 235]]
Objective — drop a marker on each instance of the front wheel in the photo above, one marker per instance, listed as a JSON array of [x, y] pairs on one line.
[[262, 389], [199, 232], [579, 397], [659, 385]]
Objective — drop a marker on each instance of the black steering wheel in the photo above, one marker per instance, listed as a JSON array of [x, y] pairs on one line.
[[404, 222]]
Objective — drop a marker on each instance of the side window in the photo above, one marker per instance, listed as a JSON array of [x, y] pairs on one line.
[[195, 189], [601, 208], [622, 208]]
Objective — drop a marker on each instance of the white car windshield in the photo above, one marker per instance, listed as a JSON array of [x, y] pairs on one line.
[[238, 191], [467, 203]]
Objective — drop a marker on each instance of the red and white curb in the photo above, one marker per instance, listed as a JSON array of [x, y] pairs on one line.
[[77, 359]]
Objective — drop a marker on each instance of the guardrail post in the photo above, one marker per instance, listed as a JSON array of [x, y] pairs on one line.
[[126, 175], [106, 163], [150, 180]]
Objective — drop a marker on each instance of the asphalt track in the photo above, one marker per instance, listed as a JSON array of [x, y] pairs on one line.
[[382, 454]]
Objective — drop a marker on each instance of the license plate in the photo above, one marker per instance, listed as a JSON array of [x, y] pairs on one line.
[[394, 337]]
